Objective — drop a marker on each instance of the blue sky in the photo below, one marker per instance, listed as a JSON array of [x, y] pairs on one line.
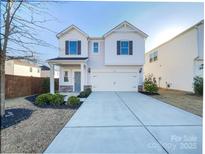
[[161, 21]]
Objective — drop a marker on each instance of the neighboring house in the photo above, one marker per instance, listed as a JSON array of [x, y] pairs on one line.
[[113, 62], [176, 62], [22, 67], [45, 72]]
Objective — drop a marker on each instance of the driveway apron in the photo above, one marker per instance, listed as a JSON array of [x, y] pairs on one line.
[[129, 122]]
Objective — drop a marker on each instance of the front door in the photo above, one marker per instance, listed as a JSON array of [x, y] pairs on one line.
[[77, 81]]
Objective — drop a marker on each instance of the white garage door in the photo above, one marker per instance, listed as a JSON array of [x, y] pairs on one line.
[[118, 81]]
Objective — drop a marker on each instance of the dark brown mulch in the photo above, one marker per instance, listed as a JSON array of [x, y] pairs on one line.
[[36, 132], [14, 116], [148, 93]]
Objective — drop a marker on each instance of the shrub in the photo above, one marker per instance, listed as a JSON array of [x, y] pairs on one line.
[[150, 84], [82, 94], [198, 85], [57, 99], [88, 91], [85, 93], [43, 99], [73, 101]]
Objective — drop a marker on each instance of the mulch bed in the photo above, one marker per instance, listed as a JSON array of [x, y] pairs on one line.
[[148, 93], [29, 128], [63, 106], [14, 116], [31, 98]]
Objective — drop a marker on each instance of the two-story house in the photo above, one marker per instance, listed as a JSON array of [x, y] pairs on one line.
[[20, 66], [176, 62], [113, 62]]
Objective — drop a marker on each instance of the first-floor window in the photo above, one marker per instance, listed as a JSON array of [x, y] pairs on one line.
[[66, 76]]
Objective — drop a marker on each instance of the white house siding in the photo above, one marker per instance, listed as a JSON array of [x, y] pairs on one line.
[[199, 60], [96, 60], [175, 64], [73, 35], [200, 35], [12, 67], [22, 70], [45, 73], [111, 57], [71, 70], [96, 63], [107, 61], [9, 67]]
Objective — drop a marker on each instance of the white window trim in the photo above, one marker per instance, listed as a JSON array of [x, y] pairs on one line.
[[151, 56], [95, 53], [77, 47], [128, 48], [67, 76]]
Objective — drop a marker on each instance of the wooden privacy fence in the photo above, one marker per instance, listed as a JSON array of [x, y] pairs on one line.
[[17, 86]]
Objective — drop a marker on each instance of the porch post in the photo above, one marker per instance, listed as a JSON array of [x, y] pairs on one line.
[[52, 79], [82, 76]]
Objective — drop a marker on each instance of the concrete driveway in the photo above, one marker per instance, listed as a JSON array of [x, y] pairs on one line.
[[128, 122]]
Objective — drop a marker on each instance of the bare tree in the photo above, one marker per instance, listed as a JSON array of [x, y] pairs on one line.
[[21, 23]]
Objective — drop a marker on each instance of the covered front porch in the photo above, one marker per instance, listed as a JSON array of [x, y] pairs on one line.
[[73, 76]]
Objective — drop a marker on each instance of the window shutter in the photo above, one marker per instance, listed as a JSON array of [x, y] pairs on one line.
[[79, 47], [66, 47], [118, 47], [130, 48]]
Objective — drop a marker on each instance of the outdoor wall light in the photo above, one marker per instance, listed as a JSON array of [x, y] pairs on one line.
[[89, 70], [140, 70]]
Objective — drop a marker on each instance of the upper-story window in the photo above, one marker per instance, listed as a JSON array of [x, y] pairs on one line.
[[95, 47], [124, 48], [153, 56], [73, 47]]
